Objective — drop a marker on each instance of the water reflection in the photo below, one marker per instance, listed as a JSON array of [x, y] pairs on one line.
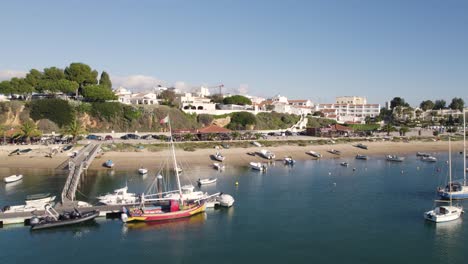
[[10, 187], [174, 225], [77, 231], [448, 230]]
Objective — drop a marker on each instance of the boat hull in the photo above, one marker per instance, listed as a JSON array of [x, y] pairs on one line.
[[88, 217], [167, 216], [461, 195], [431, 216]]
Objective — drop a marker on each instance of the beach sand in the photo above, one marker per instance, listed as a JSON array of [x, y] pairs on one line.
[[201, 157]]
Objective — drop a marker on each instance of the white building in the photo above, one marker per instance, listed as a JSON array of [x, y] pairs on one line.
[[351, 113], [357, 100], [202, 91], [280, 99], [304, 103], [123, 95], [194, 104], [149, 98]]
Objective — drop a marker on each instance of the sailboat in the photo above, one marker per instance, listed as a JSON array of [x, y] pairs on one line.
[[457, 190], [164, 208], [445, 213]]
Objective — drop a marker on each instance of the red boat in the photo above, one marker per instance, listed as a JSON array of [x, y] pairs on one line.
[[161, 213]]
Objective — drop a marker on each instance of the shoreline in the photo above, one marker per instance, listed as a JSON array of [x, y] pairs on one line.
[[234, 156]]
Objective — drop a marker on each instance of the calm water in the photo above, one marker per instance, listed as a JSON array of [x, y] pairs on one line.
[[316, 211]]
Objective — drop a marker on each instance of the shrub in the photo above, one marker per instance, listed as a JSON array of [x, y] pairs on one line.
[[240, 120], [107, 111], [56, 110]]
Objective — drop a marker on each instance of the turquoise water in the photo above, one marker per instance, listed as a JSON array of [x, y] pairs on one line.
[[316, 211]]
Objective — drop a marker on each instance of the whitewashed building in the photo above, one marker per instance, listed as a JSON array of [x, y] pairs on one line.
[[357, 100], [194, 104], [349, 113]]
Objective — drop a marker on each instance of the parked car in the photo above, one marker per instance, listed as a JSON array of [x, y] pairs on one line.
[[94, 137], [149, 136], [108, 137], [130, 136], [155, 136]]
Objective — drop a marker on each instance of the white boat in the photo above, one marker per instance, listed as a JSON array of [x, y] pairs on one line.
[[206, 181], [218, 166], [445, 213], [33, 203], [187, 194], [13, 178], [143, 170], [395, 158], [362, 157], [429, 159], [255, 143], [258, 166], [225, 200], [218, 157], [211, 203], [267, 154], [119, 196], [344, 164], [422, 154], [334, 151], [314, 154], [289, 161]]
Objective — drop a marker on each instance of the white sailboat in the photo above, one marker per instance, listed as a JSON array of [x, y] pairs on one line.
[[445, 213], [457, 190]]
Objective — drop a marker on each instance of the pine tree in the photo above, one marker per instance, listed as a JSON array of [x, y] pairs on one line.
[[105, 80]]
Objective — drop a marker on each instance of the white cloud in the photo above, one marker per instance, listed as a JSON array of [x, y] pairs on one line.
[[136, 83], [8, 74]]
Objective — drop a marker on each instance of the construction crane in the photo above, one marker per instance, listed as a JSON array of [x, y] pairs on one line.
[[219, 86]]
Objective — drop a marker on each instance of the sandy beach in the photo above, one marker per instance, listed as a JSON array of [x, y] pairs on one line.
[[201, 157]]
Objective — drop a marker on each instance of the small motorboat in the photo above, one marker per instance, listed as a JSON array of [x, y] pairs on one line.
[[13, 178], [267, 154], [258, 166], [142, 170], [211, 203], [429, 159], [251, 153], [206, 181], [344, 164], [218, 157], [314, 154], [109, 164], [53, 219], [225, 200], [395, 158], [289, 160], [24, 151], [362, 157], [40, 198], [255, 143], [422, 154], [362, 146], [119, 196], [33, 202], [16, 151], [218, 166], [334, 151]]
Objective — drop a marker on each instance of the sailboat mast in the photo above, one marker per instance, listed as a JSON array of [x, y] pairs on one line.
[[464, 148], [450, 171], [174, 158]]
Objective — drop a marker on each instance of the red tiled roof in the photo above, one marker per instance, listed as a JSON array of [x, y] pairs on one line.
[[213, 129]]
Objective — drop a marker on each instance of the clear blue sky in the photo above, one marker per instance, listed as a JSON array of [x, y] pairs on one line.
[[301, 49]]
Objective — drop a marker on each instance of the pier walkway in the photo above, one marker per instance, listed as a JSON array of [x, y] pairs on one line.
[[76, 166]]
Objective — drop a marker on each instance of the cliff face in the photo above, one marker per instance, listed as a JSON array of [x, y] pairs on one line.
[[11, 114]]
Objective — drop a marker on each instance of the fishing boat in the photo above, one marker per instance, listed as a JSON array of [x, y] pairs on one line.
[[314, 154], [225, 200], [166, 208], [142, 170], [267, 154], [109, 164], [362, 146], [289, 160], [449, 212], [206, 181], [119, 197], [362, 157], [218, 166], [53, 219], [334, 151], [344, 164], [429, 159], [218, 157], [13, 178], [457, 190], [258, 166], [394, 158]]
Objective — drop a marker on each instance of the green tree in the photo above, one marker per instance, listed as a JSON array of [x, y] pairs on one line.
[[20, 86], [28, 130], [74, 129], [64, 86], [237, 100], [457, 103], [6, 88], [426, 105], [205, 119], [388, 128], [217, 98], [403, 130], [440, 104], [53, 73], [105, 80], [240, 120], [97, 93], [33, 77], [57, 110], [168, 97], [398, 101], [82, 74]]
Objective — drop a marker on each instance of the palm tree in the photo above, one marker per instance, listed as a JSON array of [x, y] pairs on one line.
[[29, 129], [388, 128], [75, 129]]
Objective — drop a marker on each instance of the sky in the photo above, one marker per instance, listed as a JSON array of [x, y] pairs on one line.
[[300, 49]]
